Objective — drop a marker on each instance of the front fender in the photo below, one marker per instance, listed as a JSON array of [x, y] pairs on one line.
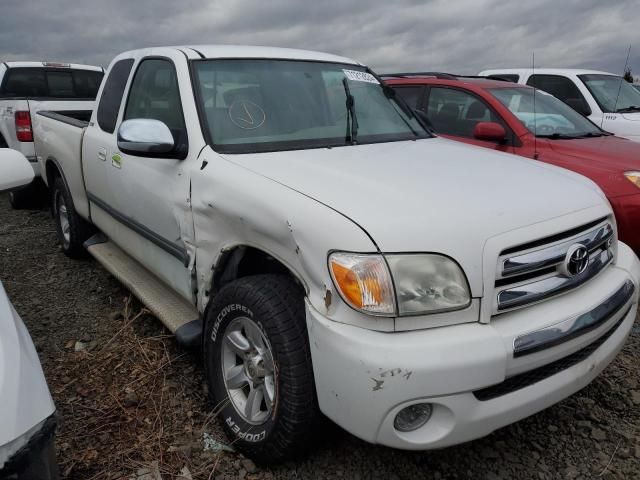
[[233, 206]]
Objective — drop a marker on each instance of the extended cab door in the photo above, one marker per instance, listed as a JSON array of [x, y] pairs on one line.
[[99, 143], [142, 202], [454, 113]]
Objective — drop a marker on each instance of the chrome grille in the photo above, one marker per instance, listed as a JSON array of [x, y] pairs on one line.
[[534, 274]]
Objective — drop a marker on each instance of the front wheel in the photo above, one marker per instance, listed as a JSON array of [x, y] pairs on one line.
[[258, 366]]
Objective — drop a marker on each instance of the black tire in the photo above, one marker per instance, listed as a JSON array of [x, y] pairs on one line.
[[73, 233], [23, 198], [275, 304], [33, 196]]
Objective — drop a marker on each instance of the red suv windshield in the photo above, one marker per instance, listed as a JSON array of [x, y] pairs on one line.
[[548, 116]]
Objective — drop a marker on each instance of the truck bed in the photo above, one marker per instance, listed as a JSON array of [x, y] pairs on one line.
[[77, 118], [58, 139]]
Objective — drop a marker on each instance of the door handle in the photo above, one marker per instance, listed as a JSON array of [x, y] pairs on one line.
[[102, 154]]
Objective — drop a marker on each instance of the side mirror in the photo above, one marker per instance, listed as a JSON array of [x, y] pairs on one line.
[[489, 131], [579, 105], [145, 136], [15, 170]]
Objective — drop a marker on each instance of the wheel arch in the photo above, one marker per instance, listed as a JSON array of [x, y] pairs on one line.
[[52, 170], [243, 260]]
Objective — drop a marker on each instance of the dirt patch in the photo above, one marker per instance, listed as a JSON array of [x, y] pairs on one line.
[[133, 404]]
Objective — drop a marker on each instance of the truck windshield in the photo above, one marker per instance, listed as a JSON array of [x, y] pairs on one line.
[[613, 93], [549, 117], [250, 105]]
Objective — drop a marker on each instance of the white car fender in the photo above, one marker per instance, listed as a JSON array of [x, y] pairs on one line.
[[24, 395]]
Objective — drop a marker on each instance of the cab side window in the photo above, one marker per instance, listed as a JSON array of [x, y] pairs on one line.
[[562, 88], [112, 93], [455, 112], [154, 94]]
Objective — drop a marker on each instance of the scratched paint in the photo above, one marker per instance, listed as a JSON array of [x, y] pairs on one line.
[[383, 375]]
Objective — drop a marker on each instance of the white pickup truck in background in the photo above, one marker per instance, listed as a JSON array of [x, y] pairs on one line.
[[606, 99], [285, 212], [26, 88]]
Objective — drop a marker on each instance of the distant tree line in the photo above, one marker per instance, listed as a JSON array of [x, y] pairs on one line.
[[628, 75]]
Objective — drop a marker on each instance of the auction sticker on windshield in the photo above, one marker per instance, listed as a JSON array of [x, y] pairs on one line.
[[357, 76]]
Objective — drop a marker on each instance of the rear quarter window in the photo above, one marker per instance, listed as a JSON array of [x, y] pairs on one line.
[[112, 94]]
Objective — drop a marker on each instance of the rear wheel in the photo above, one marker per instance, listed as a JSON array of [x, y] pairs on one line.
[[258, 366], [72, 230]]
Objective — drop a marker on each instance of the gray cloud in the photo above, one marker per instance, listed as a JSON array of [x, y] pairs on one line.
[[461, 36]]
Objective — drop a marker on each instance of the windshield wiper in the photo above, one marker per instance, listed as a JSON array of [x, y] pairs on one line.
[[352, 120], [558, 136], [564, 136], [631, 108], [595, 134]]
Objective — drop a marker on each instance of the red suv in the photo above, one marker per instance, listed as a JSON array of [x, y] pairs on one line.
[[518, 119]]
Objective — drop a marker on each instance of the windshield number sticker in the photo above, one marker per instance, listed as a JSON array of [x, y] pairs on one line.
[[357, 76]]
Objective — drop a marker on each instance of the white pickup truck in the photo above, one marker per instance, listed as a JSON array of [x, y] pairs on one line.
[[26, 88], [606, 99], [282, 210]]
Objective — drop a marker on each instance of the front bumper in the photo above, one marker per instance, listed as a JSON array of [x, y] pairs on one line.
[[36, 460], [364, 378]]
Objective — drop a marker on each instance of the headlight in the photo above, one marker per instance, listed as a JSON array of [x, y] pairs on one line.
[[428, 283], [417, 283], [633, 177]]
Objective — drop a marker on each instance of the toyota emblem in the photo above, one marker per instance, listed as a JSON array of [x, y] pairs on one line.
[[576, 260]]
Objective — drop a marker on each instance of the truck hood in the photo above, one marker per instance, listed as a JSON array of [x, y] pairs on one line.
[[429, 195], [632, 116]]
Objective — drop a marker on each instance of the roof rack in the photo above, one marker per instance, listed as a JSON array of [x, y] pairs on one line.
[[443, 76], [497, 77]]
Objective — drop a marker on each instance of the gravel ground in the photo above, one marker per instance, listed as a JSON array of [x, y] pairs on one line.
[[134, 405]]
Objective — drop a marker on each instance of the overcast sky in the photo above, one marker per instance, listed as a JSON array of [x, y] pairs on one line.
[[460, 36]]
